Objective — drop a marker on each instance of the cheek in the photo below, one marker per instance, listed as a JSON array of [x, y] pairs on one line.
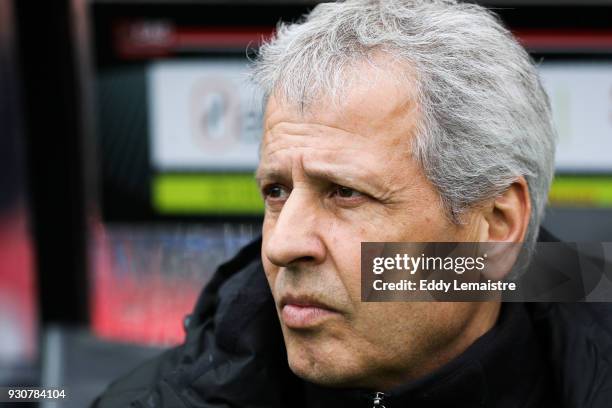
[[271, 271], [439, 325], [412, 330], [267, 226], [343, 241]]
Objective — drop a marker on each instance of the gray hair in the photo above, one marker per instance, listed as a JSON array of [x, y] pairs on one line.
[[484, 117]]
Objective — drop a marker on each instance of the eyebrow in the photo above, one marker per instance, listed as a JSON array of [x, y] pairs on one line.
[[328, 172], [263, 173]]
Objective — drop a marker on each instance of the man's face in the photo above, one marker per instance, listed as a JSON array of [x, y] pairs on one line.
[[332, 178]]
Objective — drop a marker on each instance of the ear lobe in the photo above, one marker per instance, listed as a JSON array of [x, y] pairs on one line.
[[508, 217]]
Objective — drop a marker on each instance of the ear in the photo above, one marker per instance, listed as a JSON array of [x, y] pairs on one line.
[[506, 218]]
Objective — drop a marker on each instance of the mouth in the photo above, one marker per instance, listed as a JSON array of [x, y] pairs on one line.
[[302, 312]]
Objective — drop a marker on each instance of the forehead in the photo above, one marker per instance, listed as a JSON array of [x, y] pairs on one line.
[[362, 138]]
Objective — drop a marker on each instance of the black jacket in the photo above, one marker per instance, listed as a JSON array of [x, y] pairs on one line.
[[537, 355]]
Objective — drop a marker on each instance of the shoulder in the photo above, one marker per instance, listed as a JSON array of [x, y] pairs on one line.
[[577, 340], [233, 354]]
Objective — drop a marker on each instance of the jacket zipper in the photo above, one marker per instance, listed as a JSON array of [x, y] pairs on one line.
[[378, 399]]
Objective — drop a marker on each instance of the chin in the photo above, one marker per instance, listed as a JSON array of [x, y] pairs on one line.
[[317, 368], [321, 376]]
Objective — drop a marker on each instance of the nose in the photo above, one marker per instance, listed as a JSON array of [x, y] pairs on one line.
[[295, 235]]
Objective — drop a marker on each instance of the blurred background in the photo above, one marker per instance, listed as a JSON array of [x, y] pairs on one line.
[[128, 137]]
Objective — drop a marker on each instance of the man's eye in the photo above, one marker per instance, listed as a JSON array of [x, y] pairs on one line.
[[346, 192], [275, 192]]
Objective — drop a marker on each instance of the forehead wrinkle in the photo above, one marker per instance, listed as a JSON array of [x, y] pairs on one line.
[[339, 162], [295, 154], [339, 173], [321, 154], [275, 168], [305, 135], [306, 129]]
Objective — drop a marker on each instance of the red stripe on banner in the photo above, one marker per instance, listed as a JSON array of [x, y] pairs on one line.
[[220, 38], [150, 39], [565, 39]]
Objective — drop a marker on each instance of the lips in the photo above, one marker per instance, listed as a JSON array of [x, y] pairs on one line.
[[301, 312]]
